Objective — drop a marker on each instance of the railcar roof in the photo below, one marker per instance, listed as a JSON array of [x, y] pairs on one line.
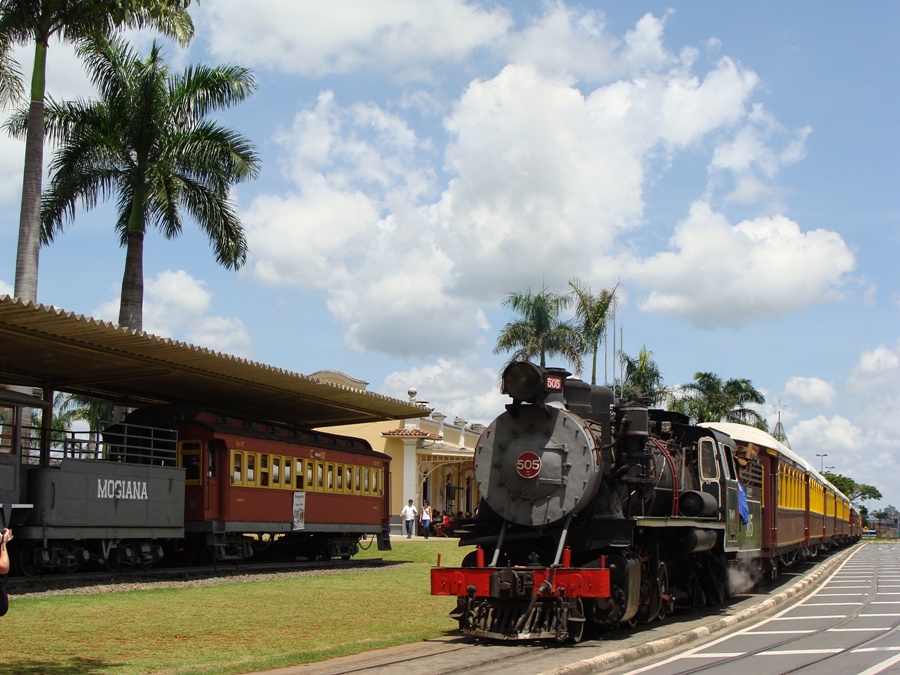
[[41, 346], [748, 434]]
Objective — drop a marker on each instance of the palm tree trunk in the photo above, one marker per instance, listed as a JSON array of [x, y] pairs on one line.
[[30, 215], [131, 307]]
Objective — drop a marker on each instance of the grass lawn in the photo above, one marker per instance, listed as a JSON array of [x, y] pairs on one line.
[[232, 627]]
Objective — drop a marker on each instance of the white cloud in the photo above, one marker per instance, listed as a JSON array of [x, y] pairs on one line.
[[809, 392], [319, 38], [753, 159], [733, 274], [172, 300], [874, 389], [222, 334], [692, 108], [542, 179], [176, 305], [568, 41], [837, 436], [454, 387], [862, 443]]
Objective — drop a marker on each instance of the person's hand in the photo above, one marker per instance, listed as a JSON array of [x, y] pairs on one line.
[[7, 536]]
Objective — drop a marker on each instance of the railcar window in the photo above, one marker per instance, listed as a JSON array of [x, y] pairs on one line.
[[251, 468], [299, 474], [357, 485], [708, 468], [190, 462], [367, 486], [348, 478], [286, 480], [320, 476], [376, 481], [340, 478], [264, 470], [237, 469], [730, 471], [276, 472], [329, 477], [7, 415], [310, 475]]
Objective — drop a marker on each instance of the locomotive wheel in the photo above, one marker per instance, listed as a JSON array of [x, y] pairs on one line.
[[576, 628], [667, 603], [72, 559], [111, 563], [25, 559], [651, 598]]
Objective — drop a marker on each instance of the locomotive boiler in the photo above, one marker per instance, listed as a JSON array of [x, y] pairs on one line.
[[601, 511]]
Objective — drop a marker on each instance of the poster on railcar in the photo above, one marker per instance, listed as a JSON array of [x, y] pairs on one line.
[[299, 511]]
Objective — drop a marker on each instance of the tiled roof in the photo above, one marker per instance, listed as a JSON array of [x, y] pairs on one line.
[[412, 433]]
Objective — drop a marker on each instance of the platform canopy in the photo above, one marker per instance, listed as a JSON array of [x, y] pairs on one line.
[[54, 350]]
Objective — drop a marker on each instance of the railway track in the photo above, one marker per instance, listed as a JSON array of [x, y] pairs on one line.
[[101, 581], [455, 655]]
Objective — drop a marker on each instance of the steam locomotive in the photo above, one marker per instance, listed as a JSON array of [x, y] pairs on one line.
[[605, 512]]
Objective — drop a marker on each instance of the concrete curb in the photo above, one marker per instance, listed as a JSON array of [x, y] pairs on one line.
[[604, 662]]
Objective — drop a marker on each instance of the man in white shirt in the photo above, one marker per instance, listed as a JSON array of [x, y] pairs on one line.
[[408, 514]]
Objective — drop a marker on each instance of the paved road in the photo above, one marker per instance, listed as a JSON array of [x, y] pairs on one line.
[[849, 624], [458, 655]]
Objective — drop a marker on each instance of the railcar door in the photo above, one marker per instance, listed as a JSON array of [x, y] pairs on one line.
[[216, 466], [732, 506]]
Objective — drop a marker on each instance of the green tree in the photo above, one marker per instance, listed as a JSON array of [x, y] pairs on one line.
[[710, 399], [37, 21], [642, 376], [89, 409], [852, 490], [539, 331], [591, 312], [147, 139]]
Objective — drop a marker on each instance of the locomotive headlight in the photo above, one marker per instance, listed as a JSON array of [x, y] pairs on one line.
[[524, 381]]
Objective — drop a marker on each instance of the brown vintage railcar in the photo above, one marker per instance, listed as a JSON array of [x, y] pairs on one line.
[[307, 493]]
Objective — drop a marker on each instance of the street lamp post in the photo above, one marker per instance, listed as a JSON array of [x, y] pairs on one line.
[[822, 457]]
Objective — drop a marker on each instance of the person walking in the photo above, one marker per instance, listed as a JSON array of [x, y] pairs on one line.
[[408, 515], [4, 568], [426, 518]]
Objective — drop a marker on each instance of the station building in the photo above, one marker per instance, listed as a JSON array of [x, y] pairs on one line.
[[431, 456]]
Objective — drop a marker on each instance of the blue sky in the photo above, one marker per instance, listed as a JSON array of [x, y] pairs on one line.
[[733, 167]]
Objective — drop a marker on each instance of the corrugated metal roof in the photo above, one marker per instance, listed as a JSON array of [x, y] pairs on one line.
[[61, 351]]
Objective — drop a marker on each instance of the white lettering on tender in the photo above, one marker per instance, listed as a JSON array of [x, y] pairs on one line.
[[109, 488]]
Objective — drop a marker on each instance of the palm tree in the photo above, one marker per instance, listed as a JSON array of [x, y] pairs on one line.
[[37, 21], [712, 400], [539, 332], [146, 138], [642, 376], [591, 311], [11, 90], [94, 411]]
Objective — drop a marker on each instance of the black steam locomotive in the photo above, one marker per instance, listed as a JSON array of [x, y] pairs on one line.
[[607, 512]]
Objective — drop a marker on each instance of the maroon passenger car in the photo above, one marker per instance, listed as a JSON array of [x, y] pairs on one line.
[[252, 486]]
